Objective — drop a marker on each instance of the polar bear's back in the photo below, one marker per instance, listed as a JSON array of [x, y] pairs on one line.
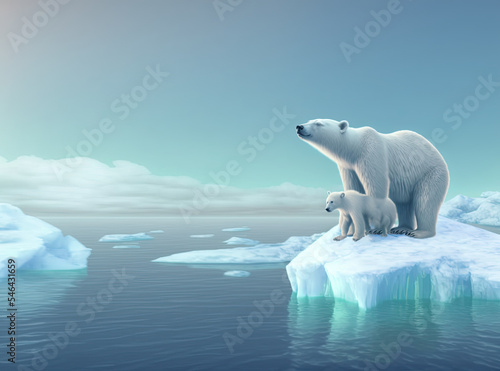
[[410, 157]]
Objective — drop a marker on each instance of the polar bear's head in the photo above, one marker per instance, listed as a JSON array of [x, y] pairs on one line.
[[323, 133], [334, 201]]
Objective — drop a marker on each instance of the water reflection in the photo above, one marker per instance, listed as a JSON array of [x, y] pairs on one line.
[[38, 290], [327, 333]]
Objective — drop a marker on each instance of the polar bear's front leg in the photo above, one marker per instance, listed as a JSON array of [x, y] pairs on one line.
[[372, 167], [359, 226], [350, 230], [345, 223], [386, 225], [351, 182]]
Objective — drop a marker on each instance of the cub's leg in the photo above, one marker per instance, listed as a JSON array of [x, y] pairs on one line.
[[386, 225], [345, 224], [377, 225], [359, 226]]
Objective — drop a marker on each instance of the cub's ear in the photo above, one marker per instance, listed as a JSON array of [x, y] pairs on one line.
[[343, 125], [342, 195]]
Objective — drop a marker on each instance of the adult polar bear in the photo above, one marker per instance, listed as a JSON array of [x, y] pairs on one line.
[[403, 166]]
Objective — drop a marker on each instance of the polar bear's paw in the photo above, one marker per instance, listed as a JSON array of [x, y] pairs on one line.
[[339, 238], [406, 231], [423, 234], [376, 231]]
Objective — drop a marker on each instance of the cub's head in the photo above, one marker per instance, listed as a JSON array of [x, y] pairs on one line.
[[322, 132], [334, 200]]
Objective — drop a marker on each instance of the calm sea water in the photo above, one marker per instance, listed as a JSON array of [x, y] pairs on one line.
[[177, 317]]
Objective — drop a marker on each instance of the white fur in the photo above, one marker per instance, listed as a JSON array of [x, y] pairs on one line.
[[402, 165], [363, 211]]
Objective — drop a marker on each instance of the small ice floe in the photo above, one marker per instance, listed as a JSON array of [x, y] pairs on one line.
[[125, 237], [237, 273], [258, 254], [238, 229], [241, 241]]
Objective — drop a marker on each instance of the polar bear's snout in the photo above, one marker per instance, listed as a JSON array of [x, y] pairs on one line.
[[302, 131]]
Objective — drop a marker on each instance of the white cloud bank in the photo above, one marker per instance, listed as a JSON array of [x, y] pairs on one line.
[[87, 187]]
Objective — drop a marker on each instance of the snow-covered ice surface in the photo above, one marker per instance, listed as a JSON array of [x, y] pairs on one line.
[[241, 241], [125, 237], [237, 273], [126, 247], [484, 210], [238, 229], [461, 260], [37, 245], [262, 253], [157, 231], [201, 235]]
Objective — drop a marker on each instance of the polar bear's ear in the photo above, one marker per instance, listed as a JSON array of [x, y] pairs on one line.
[[342, 195], [343, 125]]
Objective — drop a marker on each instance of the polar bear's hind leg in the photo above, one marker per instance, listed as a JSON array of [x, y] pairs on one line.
[[429, 195], [406, 216]]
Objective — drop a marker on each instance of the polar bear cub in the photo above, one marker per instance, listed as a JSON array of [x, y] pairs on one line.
[[362, 211]]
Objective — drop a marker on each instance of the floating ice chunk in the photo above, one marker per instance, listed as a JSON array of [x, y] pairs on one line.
[[239, 229], [262, 253], [484, 210], [201, 235], [461, 260], [237, 273], [125, 237], [126, 247], [157, 231], [240, 241], [35, 244]]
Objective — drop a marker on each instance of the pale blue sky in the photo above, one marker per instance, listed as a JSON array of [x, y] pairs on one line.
[[226, 77]]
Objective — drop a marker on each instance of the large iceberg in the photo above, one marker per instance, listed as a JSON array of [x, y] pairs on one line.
[[460, 261], [484, 210], [35, 244]]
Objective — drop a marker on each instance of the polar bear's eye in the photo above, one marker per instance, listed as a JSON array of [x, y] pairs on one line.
[[331, 202], [319, 123]]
